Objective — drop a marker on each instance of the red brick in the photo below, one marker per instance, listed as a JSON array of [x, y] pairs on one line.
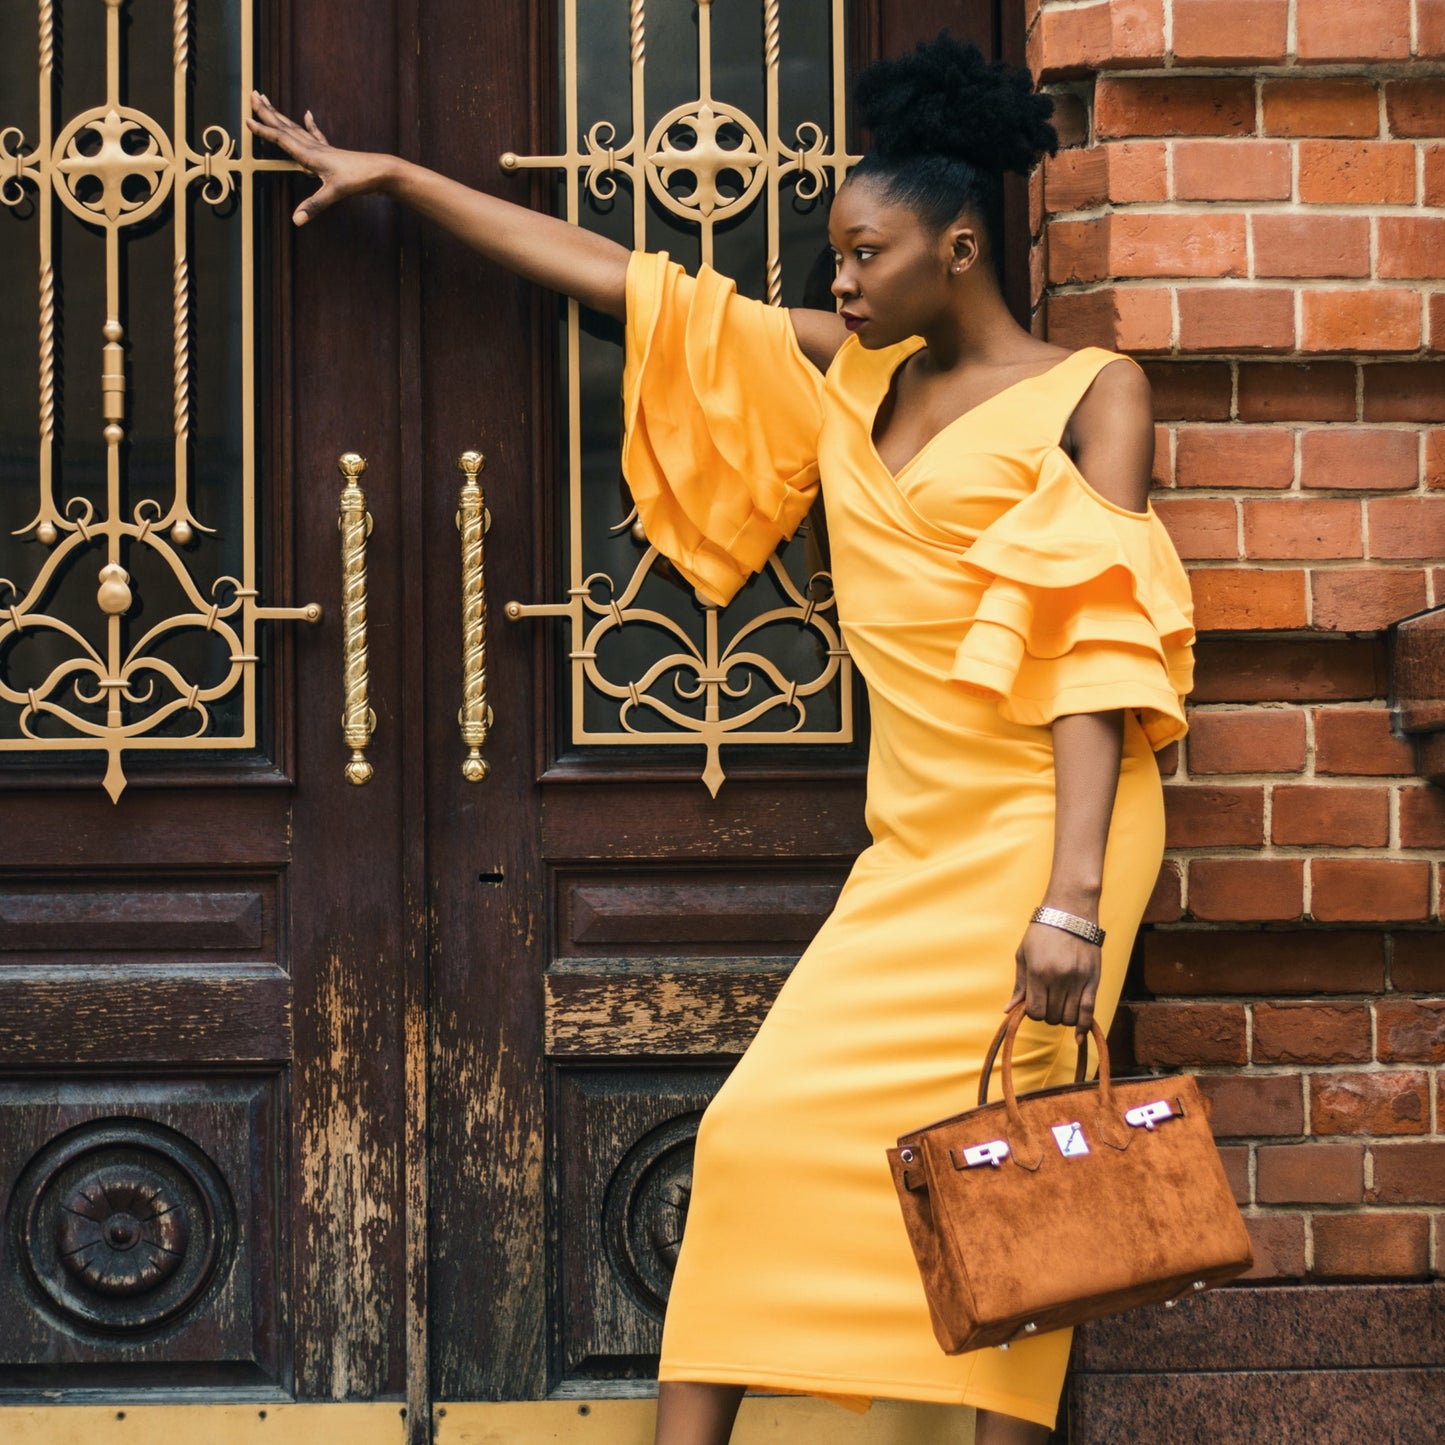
[[1434, 175], [1422, 817], [1297, 669], [1366, 599], [1186, 105], [1152, 243], [1310, 1173], [1434, 472], [1078, 250], [1370, 1103], [1353, 740], [1190, 390], [1279, 1246], [1321, 108], [1357, 890], [1435, 320], [1161, 474], [1417, 963], [1138, 171], [1170, 1034], [1235, 1158], [1255, 741], [1302, 529], [1328, 30], [1233, 456], [1200, 527], [1412, 1173], [1167, 760], [1308, 814], [1226, 170], [1375, 319], [1407, 527], [1165, 905], [1410, 247], [1405, 391], [1236, 318], [1133, 318], [1230, 30], [1371, 1246], [1253, 1105], [1305, 244], [1366, 458], [1113, 33], [1291, 391], [1246, 599], [1077, 180], [1246, 890], [1430, 29], [1410, 1030], [1312, 1033], [1356, 173], [1198, 817], [1070, 119], [1206, 963], [1416, 107]]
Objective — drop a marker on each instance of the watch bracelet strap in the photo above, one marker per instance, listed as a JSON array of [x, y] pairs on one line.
[[1070, 923]]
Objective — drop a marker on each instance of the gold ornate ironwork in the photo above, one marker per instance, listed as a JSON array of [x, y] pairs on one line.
[[113, 166], [473, 520], [713, 675], [358, 722]]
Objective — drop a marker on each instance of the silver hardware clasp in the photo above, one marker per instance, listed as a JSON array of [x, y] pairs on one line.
[[1146, 1116], [994, 1153]]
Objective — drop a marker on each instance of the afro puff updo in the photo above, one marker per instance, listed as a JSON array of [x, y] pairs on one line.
[[946, 124]]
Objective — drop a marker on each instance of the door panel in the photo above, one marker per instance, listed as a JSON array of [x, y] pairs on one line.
[[612, 912]]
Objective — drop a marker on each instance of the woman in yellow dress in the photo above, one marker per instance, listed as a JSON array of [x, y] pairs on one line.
[[1023, 625]]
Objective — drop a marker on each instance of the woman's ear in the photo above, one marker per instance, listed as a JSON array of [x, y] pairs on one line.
[[964, 248]]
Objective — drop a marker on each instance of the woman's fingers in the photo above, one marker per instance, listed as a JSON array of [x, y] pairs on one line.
[[315, 129]]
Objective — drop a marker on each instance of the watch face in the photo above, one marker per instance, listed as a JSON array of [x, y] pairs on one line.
[[1070, 1139]]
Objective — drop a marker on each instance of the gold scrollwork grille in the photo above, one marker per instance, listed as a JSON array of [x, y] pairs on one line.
[[116, 682], [649, 665]]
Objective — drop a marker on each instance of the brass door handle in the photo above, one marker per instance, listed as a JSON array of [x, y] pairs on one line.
[[473, 519], [358, 722]]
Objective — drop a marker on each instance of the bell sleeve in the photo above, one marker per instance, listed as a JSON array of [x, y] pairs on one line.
[[722, 413], [1085, 608]]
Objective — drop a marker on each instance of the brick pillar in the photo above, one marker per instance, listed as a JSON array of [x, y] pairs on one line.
[[1251, 199]]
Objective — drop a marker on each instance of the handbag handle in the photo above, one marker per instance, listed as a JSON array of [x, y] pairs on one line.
[[1008, 1032]]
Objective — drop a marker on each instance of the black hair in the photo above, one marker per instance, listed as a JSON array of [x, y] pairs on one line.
[[946, 124]]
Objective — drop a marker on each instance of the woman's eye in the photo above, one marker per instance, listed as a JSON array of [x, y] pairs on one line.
[[864, 254]]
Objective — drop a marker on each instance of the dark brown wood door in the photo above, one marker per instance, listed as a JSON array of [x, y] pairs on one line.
[[607, 932], [383, 1090], [207, 985]]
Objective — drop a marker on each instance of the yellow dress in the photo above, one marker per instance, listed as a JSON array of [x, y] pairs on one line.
[[983, 591]]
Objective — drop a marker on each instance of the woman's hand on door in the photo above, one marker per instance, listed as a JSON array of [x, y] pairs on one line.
[[535, 246], [341, 173]]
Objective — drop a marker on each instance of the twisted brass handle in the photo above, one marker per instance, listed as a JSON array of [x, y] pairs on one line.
[[358, 722], [473, 519]]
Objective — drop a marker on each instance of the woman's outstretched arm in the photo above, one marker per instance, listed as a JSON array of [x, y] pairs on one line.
[[535, 246]]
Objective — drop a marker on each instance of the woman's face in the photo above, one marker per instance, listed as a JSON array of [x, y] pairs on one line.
[[897, 275]]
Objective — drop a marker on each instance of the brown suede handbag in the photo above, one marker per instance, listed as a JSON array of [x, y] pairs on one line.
[[1055, 1207]]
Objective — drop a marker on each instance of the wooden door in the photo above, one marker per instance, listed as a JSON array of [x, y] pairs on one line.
[[614, 907], [410, 1051], [209, 937]]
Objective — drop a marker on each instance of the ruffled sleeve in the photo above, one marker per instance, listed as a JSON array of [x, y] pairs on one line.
[[722, 413], [1086, 608]]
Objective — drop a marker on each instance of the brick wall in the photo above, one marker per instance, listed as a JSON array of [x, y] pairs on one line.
[[1252, 200]]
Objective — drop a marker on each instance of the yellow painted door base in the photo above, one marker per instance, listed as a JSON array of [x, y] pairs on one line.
[[783, 1420]]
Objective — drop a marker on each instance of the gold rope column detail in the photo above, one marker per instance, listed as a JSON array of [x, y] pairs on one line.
[[358, 722], [475, 717]]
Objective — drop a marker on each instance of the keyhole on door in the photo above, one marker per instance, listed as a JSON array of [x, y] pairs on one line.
[[490, 877]]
